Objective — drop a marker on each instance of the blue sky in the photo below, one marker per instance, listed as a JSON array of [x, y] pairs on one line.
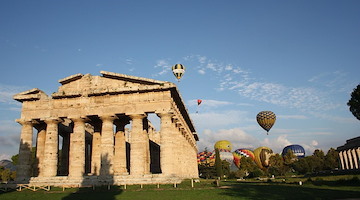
[[299, 59]]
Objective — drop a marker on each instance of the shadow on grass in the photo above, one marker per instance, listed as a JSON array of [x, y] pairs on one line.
[[281, 191], [98, 193]]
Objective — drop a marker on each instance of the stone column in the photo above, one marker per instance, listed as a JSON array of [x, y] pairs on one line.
[[346, 159], [107, 145], [350, 158], [138, 152], [120, 148], [23, 170], [51, 148], [341, 160], [40, 147], [166, 145], [96, 150], [77, 148], [356, 160]]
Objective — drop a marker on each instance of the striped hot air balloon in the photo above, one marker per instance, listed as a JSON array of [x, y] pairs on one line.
[[178, 71]]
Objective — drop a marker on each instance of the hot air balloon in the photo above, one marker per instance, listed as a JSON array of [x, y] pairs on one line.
[[298, 150], [262, 157], [266, 120], [240, 153], [199, 101], [178, 71], [224, 147], [223, 144], [206, 157]]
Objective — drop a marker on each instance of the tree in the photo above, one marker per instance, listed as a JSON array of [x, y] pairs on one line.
[[277, 166], [354, 102], [218, 164], [331, 159]]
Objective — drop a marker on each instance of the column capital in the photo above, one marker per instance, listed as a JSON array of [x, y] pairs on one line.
[[52, 120], [137, 116], [166, 114], [108, 117], [79, 119], [24, 121]]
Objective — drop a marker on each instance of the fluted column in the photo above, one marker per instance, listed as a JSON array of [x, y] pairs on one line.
[[107, 145], [96, 150], [120, 148], [23, 171], [77, 148], [40, 147], [350, 158], [138, 152], [341, 160], [356, 160], [345, 159], [166, 145], [51, 150]]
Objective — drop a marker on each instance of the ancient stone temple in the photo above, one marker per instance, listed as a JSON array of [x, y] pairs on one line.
[[96, 130], [349, 154]]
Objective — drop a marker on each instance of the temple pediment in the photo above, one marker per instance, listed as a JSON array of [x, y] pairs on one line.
[[30, 95], [109, 83]]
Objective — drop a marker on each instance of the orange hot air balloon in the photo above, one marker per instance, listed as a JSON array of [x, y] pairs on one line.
[[199, 101]]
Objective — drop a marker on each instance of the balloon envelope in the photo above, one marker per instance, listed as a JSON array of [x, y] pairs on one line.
[[262, 156], [199, 101], [240, 153], [298, 150], [178, 70], [266, 119], [223, 144]]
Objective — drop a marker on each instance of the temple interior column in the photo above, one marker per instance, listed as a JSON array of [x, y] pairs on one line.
[[51, 147], [96, 150], [166, 145], [138, 154], [23, 171], [107, 145], [77, 148], [40, 147], [120, 148]]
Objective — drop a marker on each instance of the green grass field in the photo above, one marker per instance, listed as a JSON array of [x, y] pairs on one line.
[[316, 188]]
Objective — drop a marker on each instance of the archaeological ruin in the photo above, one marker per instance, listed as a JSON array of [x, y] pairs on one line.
[[95, 130]]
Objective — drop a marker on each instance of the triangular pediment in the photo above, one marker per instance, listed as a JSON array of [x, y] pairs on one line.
[[109, 83], [30, 95]]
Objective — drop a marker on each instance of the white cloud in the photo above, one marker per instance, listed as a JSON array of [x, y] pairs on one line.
[[163, 65], [209, 103], [291, 117], [8, 91], [5, 157]]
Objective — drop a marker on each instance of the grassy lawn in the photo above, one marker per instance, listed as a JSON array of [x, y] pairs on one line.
[[253, 189]]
